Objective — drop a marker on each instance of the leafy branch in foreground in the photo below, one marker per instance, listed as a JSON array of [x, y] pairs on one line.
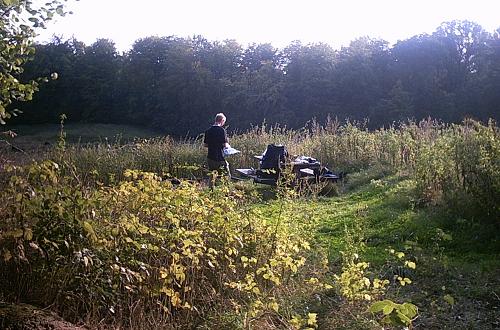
[[18, 23]]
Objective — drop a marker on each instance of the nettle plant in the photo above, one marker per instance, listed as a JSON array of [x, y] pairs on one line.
[[460, 167], [354, 284], [393, 313]]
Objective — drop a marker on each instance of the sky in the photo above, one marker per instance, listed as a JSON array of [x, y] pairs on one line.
[[278, 22]]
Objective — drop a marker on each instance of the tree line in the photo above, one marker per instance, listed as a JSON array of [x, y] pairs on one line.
[[176, 84]]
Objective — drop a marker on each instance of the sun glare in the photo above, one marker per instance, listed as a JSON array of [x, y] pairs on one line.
[[278, 22]]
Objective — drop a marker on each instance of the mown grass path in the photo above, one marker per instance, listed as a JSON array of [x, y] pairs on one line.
[[456, 283]]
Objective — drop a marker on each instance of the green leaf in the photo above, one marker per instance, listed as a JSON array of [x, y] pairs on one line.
[[409, 310], [18, 233], [87, 227], [388, 309], [379, 306], [7, 255], [447, 237], [449, 299], [311, 319], [387, 320], [28, 234], [410, 264], [403, 318]]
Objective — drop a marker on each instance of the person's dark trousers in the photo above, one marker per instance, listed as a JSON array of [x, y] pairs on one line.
[[219, 166]]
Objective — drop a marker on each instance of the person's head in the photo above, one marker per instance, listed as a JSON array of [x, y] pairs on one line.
[[220, 119]]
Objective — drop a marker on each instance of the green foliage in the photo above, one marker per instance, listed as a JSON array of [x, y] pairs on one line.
[[109, 242], [395, 314], [177, 84], [355, 285], [18, 22], [461, 166], [173, 251], [309, 323]]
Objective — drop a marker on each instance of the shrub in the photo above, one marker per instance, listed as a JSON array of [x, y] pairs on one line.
[[141, 248], [461, 167]]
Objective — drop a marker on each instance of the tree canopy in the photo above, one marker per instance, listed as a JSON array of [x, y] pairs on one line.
[[178, 84]]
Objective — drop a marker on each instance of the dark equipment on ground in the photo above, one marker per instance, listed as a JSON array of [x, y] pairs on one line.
[[275, 159]]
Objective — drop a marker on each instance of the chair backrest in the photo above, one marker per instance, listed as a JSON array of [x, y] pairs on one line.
[[273, 157]]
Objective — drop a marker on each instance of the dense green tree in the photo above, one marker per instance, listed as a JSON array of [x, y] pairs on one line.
[[421, 65], [151, 76], [398, 106], [364, 76], [178, 84], [222, 59], [96, 81], [258, 55], [309, 88], [488, 85], [466, 41], [57, 96], [257, 97]]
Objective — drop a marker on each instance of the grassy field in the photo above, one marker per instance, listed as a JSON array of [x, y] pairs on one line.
[[396, 217], [38, 141], [378, 213], [77, 133]]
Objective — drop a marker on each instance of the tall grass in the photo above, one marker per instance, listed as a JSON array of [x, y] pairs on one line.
[[450, 162], [347, 146], [461, 167], [112, 242]]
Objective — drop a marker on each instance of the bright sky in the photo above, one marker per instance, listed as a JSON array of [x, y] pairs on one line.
[[276, 21]]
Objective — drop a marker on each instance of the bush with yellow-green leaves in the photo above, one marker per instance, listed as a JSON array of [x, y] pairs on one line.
[[142, 248]]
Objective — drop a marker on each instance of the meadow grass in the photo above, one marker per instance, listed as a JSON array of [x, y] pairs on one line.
[[376, 213], [427, 189], [33, 136]]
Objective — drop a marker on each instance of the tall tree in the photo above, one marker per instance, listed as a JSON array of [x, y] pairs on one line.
[[489, 84], [96, 82], [421, 65], [363, 76], [309, 88], [258, 55], [178, 84], [466, 43], [466, 40]]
